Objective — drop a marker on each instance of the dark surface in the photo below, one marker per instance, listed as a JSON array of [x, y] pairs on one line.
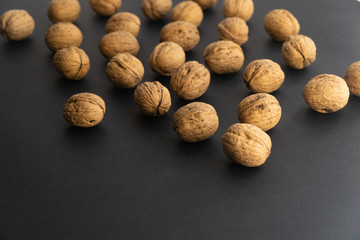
[[131, 177]]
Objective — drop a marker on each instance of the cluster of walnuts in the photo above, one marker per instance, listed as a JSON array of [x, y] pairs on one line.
[[247, 142]]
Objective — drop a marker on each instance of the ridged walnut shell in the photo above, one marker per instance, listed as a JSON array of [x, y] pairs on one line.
[[156, 9], [105, 7], [205, 4], [62, 35], [352, 78], [238, 8], [280, 24], [299, 51], [233, 29], [187, 11], [16, 24], [246, 144], [64, 10], [124, 21], [326, 93]]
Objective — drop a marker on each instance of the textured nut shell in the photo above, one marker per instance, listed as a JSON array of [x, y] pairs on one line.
[[190, 81], [183, 33], [195, 122], [233, 29], [238, 8], [299, 51], [264, 76], [152, 98], [156, 9], [166, 58], [205, 4], [118, 42], [124, 70], [72, 62], [187, 11], [16, 24], [246, 144], [326, 93], [105, 7], [84, 110], [261, 109], [64, 10], [352, 78], [280, 24], [224, 57], [62, 35], [124, 21]]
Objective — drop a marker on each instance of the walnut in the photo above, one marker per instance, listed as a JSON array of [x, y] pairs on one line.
[[238, 8], [118, 42], [72, 62], [166, 58], [152, 98], [299, 51], [16, 24], [84, 110], [263, 76], [352, 78], [62, 35], [326, 93], [261, 109], [280, 24], [190, 81], [64, 10], [233, 29], [156, 9], [205, 4], [187, 11], [124, 21], [224, 57], [105, 7], [246, 144], [183, 33], [195, 122], [125, 70]]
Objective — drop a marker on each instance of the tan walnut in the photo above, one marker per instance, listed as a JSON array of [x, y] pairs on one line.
[[156, 9], [233, 29], [280, 24], [205, 4], [124, 21], [16, 24], [299, 51], [64, 10], [62, 35], [105, 7], [352, 78], [187, 11], [238, 8]]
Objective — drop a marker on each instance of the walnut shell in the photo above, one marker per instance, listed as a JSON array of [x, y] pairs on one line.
[[280, 24], [64, 10], [195, 122], [152, 98], [72, 62], [233, 29], [187, 11], [263, 76], [190, 81], [166, 58], [124, 70], [16, 24], [156, 9], [105, 7], [84, 110], [224, 57], [62, 35], [124, 21], [205, 4], [118, 42], [326, 93], [352, 78], [183, 33], [238, 8], [299, 51], [261, 109], [246, 144]]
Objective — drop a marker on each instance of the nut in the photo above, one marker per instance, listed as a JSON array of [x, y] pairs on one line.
[[64, 10], [105, 7], [233, 29], [352, 78], [156, 9], [205, 4], [280, 24], [123, 21], [238, 8], [187, 11], [16, 24], [299, 51], [62, 35]]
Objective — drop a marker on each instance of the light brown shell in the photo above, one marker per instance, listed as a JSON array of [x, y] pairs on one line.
[[238, 8], [190, 81], [152, 98], [205, 4], [84, 110], [105, 7], [280, 24], [224, 57], [246, 144], [195, 122], [64, 10], [299, 51], [62, 35], [123, 21], [16, 24], [233, 29], [352, 78], [118, 42], [261, 109], [187, 11], [166, 58], [124, 70], [263, 76], [72, 62], [326, 93], [156, 9], [183, 33]]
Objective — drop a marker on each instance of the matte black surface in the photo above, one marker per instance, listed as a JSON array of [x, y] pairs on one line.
[[131, 177]]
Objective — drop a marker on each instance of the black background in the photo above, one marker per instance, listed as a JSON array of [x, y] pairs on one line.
[[131, 177]]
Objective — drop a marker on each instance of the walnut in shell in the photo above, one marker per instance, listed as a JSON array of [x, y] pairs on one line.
[[156, 9], [124, 21], [64, 10], [238, 8], [187, 11], [299, 51], [352, 78], [105, 7], [16, 24], [233, 29], [280, 24], [205, 4], [62, 35]]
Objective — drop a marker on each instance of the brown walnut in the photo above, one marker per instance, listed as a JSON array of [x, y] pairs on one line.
[[352, 78], [62, 35], [238, 8], [205, 4], [124, 21], [233, 29], [156, 9], [105, 7], [16, 24], [187, 11], [280, 24], [299, 51], [64, 10]]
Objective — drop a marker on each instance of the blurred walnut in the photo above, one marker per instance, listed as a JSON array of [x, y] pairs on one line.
[[124, 21], [205, 4], [62, 35], [280, 24], [238, 8], [299, 51], [105, 7], [352, 78], [64, 10], [233, 29], [16, 24], [156, 9], [187, 11]]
